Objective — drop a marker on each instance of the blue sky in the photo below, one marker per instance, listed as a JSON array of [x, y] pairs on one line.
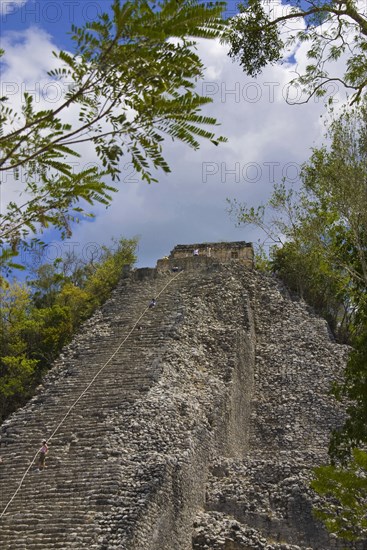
[[55, 17], [267, 139]]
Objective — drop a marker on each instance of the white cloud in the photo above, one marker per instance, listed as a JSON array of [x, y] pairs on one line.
[[28, 57], [268, 139]]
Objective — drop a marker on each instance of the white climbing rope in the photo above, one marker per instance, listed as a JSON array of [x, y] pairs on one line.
[[83, 393]]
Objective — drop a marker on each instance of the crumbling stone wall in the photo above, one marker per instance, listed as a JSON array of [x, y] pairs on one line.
[[223, 252], [201, 432], [263, 500]]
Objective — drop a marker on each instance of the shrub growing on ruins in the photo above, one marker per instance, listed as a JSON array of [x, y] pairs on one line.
[[344, 511]]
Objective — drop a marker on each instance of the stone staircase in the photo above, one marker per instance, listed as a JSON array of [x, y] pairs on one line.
[[57, 508]]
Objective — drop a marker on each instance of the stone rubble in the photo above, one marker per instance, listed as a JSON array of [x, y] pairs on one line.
[[292, 414], [216, 531]]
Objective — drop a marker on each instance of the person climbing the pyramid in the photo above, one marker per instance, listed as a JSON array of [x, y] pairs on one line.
[[42, 455]]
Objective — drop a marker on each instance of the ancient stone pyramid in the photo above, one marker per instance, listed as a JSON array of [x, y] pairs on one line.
[[199, 434]]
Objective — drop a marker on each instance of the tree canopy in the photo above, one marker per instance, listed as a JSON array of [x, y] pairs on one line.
[[319, 231], [131, 78], [333, 30]]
